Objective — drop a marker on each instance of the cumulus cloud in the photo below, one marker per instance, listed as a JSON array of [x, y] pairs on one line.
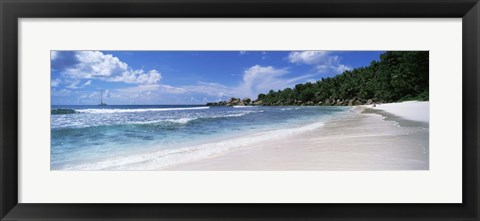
[[97, 65], [323, 61], [308, 57], [138, 77], [256, 79], [260, 79], [257, 71], [84, 68]]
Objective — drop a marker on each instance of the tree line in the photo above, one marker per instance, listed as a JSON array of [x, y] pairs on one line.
[[397, 76]]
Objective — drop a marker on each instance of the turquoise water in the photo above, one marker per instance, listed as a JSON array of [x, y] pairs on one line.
[[137, 137]]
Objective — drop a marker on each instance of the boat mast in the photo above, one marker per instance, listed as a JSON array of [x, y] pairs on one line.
[[101, 99]]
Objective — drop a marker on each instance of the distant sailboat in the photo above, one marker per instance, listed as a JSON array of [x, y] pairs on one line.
[[101, 99]]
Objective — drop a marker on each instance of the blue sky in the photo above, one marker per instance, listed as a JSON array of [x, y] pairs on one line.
[[189, 77]]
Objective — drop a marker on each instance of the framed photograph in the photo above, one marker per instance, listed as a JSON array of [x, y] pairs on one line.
[[250, 110]]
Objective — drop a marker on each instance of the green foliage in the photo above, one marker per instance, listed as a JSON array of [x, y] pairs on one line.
[[398, 76], [307, 94]]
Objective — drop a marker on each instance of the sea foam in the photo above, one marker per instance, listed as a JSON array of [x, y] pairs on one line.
[[169, 157], [110, 111], [244, 106]]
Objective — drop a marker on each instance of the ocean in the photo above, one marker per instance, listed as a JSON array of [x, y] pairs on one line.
[[151, 137]]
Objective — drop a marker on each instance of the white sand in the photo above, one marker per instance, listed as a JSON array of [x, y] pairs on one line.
[[410, 110], [363, 138]]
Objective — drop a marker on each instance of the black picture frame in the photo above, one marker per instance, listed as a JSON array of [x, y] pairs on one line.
[[12, 10]]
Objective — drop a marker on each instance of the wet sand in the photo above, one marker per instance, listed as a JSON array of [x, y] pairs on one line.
[[363, 138]]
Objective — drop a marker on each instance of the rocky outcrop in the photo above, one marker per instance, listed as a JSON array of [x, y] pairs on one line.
[[327, 102], [257, 103], [232, 102]]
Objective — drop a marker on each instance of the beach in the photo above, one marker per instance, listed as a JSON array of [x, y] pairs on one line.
[[391, 136]]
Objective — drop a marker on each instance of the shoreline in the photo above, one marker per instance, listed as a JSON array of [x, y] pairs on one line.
[[407, 110], [364, 138]]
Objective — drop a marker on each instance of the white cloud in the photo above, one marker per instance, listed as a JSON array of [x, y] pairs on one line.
[[256, 79], [139, 88], [342, 68], [55, 82], [157, 91], [60, 93], [89, 82], [53, 55], [260, 79], [137, 92], [88, 97], [256, 72], [97, 65], [138, 77], [76, 84], [308, 57], [242, 52], [299, 79], [210, 88], [193, 100], [172, 90], [323, 61], [73, 84]]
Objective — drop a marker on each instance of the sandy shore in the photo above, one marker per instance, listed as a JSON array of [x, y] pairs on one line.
[[385, 137], [410, 110]]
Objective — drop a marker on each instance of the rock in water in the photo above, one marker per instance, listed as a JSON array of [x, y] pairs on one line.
[[63, 111]]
